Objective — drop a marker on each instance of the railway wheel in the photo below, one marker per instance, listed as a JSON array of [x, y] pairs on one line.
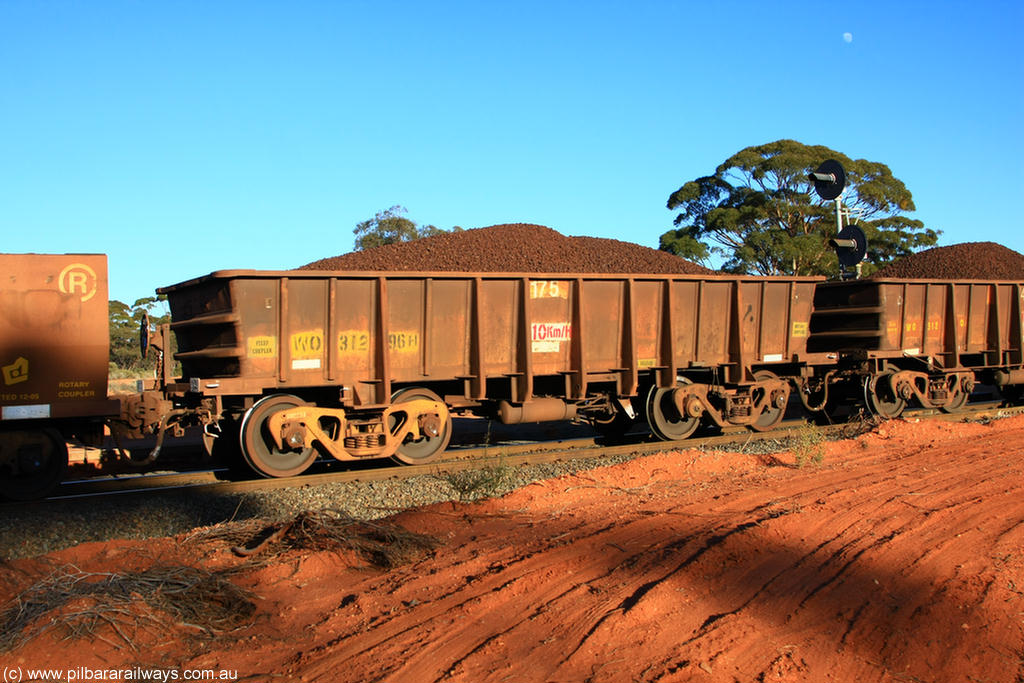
[[663, 417], [772, 414], [958, 395], [435, 430], [32, 463], [258, 447], [882, 398]]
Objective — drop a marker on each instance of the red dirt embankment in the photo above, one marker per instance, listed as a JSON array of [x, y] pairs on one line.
[[900, 558]]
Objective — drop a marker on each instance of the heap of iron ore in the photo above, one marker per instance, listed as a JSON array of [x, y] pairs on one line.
[[967, 261], [512, 248]]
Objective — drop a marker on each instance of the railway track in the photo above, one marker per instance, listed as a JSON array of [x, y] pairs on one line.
[[475, 457]]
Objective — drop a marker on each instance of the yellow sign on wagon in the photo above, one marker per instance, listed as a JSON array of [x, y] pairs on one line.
[[262, 346]]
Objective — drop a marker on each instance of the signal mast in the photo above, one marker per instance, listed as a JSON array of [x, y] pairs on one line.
[[850, 242]]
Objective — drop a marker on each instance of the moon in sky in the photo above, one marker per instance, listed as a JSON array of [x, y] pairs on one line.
[[848, 37]]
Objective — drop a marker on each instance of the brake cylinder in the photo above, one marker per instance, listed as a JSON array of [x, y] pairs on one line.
[[1006, 377], [537, 410]]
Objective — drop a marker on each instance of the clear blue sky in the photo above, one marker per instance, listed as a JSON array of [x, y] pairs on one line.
[[186, 137]]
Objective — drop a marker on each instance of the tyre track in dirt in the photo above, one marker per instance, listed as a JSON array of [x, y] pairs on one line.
[[866, 566]]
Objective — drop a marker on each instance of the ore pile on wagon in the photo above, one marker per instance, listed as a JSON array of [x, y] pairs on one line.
[[512, 248], [966, 261]]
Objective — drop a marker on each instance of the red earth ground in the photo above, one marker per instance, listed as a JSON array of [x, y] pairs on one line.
[[899, 557]]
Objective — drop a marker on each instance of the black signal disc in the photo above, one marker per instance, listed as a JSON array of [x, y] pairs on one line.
[[851, 256], [830, 189]]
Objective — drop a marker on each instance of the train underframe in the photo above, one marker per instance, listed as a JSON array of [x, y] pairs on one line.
[[281, 433], [886, 386]]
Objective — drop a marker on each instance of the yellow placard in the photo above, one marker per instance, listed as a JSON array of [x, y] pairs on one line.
[[800, 329], [353, 341], [647, 362], [262, 346], [549, 289], [308, 344], [358, 342], [404, 342]]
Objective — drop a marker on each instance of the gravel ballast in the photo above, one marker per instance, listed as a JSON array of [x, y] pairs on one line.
[[44, 527]]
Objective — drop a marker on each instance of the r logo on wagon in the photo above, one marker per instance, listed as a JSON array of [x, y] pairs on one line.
[[548, 337], [78, 279]]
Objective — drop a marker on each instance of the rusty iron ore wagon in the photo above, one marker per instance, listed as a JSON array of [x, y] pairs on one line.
[[922, 341], [54, 351], [355, 365]]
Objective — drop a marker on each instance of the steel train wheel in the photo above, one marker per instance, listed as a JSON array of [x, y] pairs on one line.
[[32, 463], [663, 417], [959, 397], [258, 447], [429, 446], [772, 415], [880, 397]]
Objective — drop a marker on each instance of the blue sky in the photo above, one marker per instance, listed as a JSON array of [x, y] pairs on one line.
[[181, 138]]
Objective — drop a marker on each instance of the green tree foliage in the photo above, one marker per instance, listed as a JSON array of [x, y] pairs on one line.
[[391, 226], [761, 213], [124, 332]]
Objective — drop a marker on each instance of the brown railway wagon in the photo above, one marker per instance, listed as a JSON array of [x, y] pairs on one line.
[[927, 340], [369, 364], [54, 353]]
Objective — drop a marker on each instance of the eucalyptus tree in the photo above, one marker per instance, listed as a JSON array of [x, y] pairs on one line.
[[759, 211]]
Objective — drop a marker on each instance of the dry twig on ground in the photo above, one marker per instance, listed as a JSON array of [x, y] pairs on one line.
[[381, 544], [80, 603]]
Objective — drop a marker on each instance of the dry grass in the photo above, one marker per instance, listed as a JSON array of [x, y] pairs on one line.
[[474, 483], [808, 445], [79, 604]]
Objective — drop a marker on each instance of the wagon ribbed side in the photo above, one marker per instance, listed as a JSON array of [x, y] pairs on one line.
[[371, 330]]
